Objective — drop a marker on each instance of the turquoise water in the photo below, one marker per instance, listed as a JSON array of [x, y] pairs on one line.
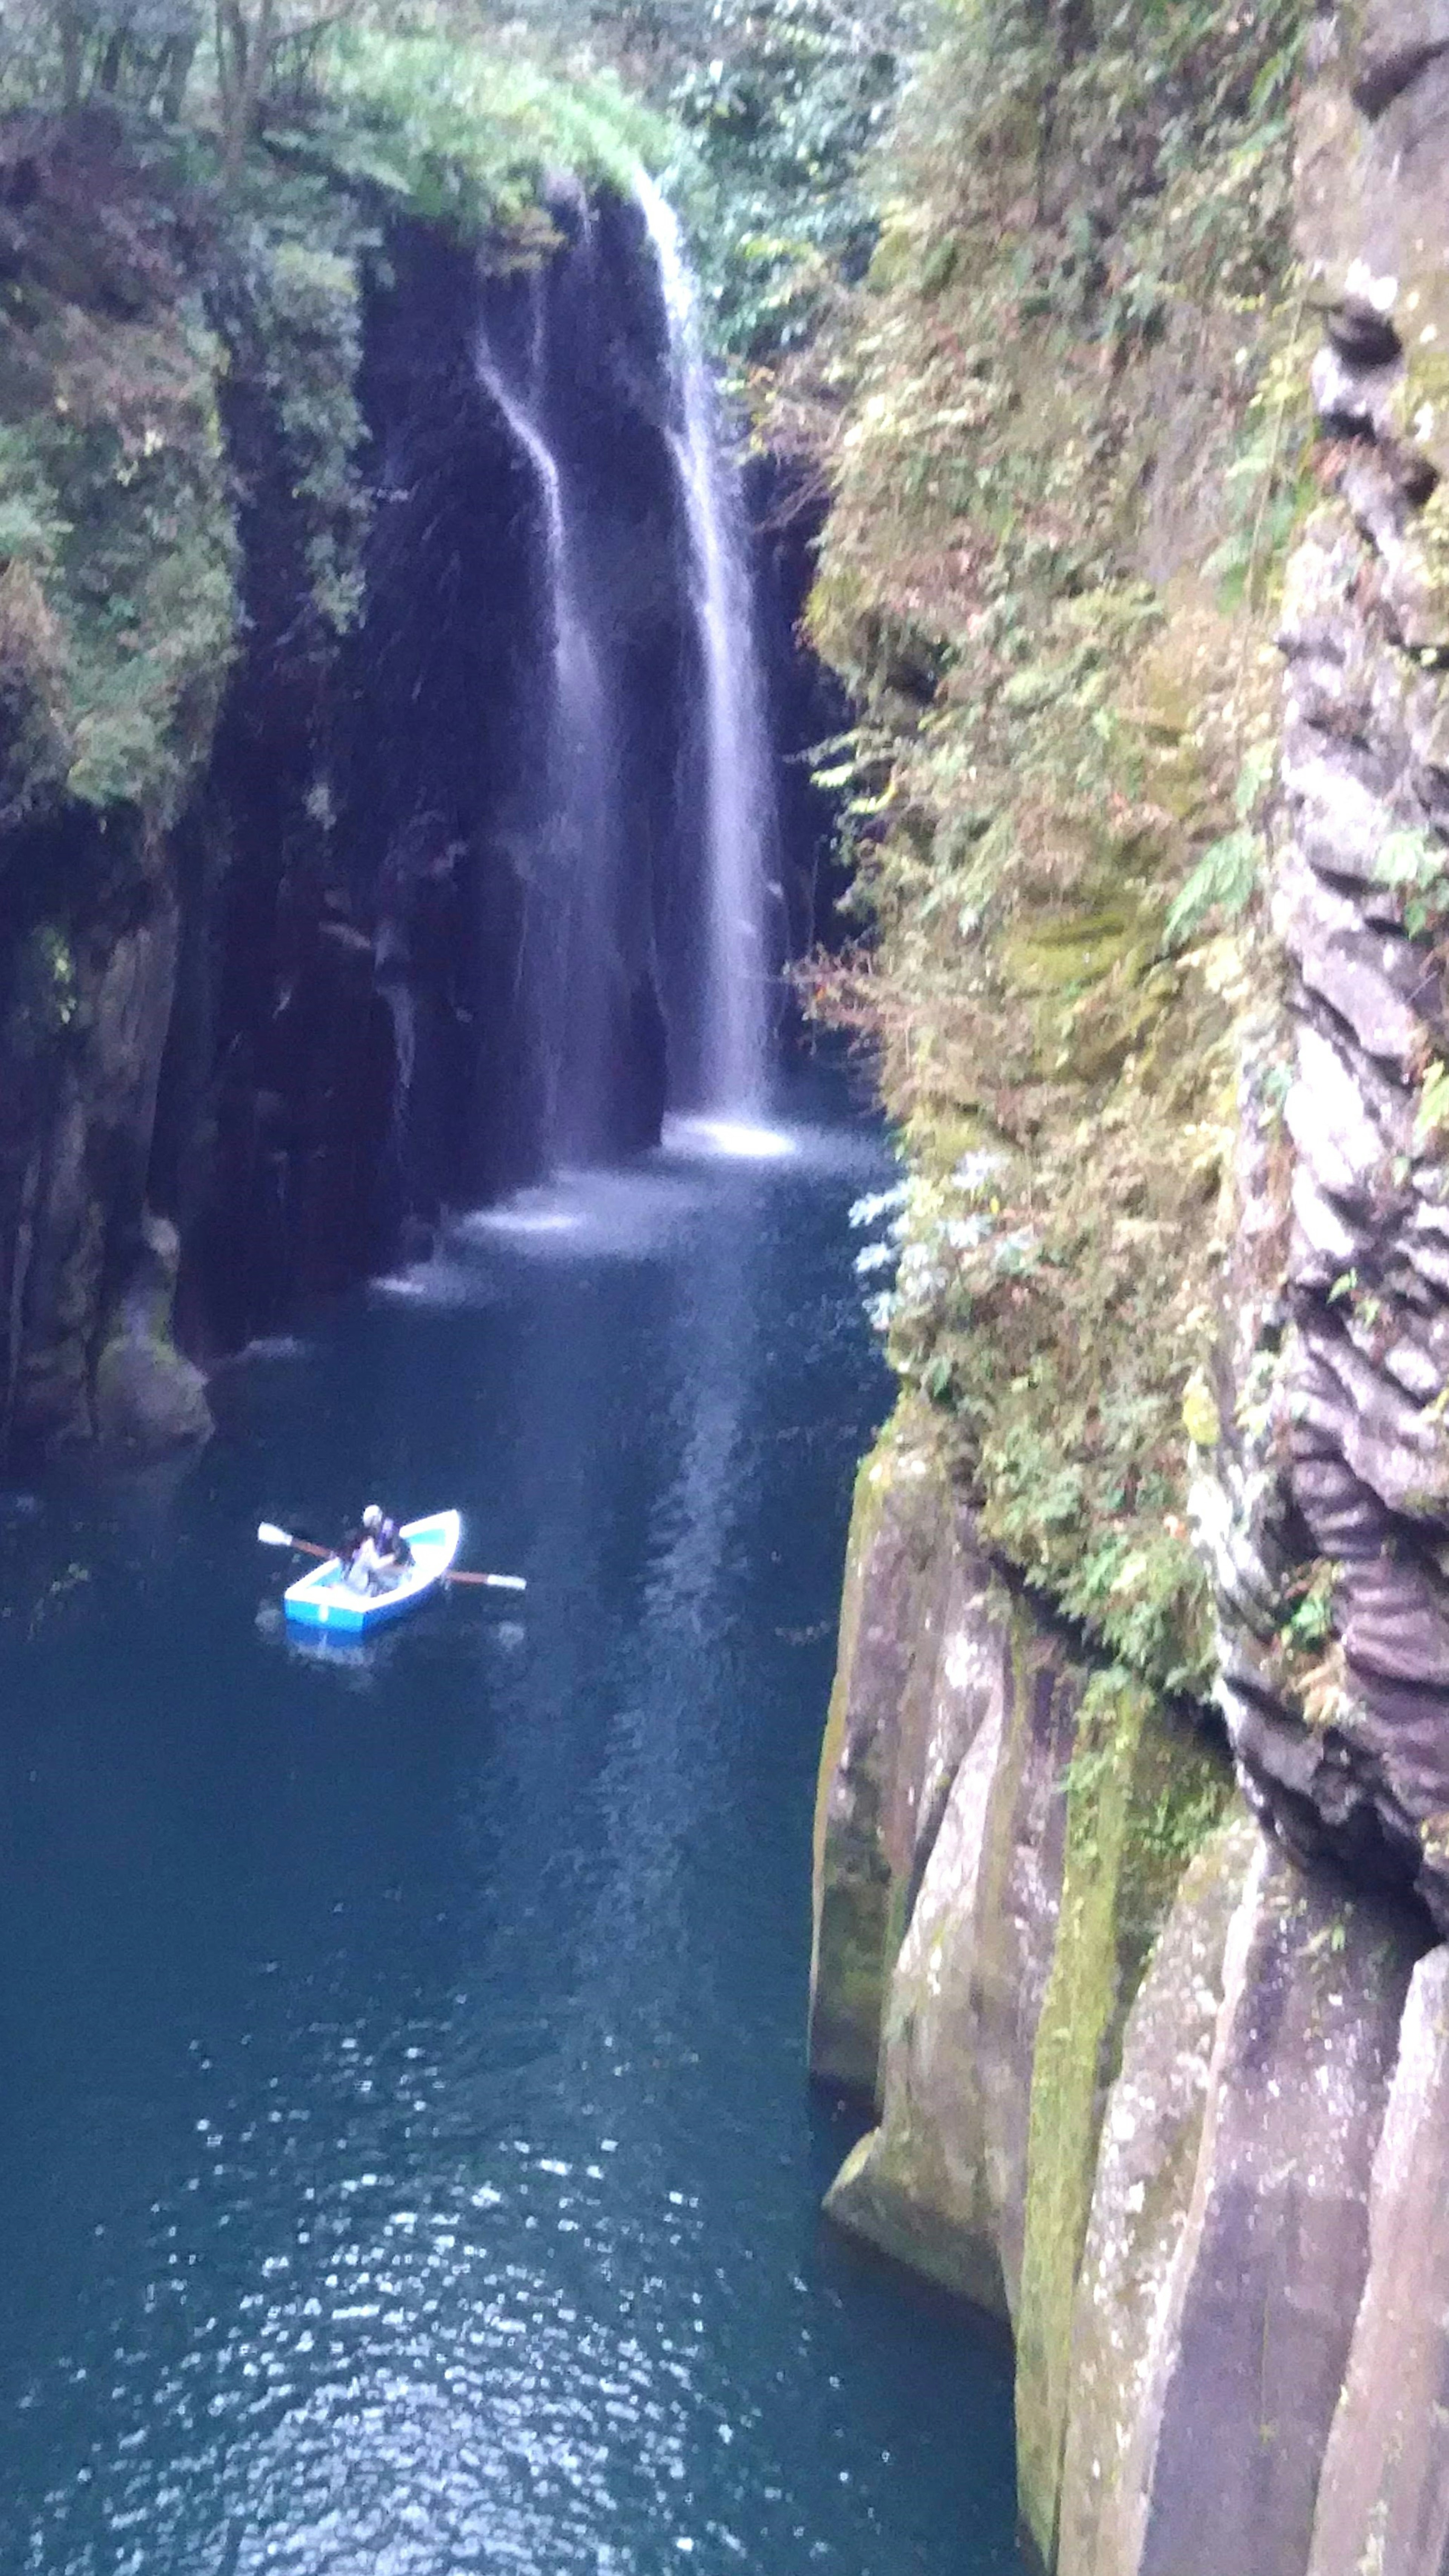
[[405, 2162]]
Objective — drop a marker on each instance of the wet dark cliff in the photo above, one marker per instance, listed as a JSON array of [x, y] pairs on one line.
[[293, 957], [378, 995]]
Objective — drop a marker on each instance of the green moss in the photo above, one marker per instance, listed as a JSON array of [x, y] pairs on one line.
[[851, 1956], [1065, 952], [288, 303], [119, 555], [1143, 1792], [1045, 437], [888, 2193]]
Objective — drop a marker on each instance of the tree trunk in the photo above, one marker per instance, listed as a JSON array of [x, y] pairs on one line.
[[71, 56], [176, 62], [245, 79]]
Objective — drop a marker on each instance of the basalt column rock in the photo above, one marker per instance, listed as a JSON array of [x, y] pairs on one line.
[[83, 1021], [1229, 2241], [1151, 2139], [1383, 2498], [916, 1679], [1326, 1500], [1000, 1829]]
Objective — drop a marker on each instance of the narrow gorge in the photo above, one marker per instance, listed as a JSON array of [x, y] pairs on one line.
[[545, 574]]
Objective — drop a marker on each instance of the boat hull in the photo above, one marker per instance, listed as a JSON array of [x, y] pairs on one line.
[[321, 1599]]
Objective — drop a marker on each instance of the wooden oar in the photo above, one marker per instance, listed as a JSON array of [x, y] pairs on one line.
[[270, 1536]]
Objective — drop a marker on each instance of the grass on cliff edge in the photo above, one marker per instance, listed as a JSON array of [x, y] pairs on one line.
[[1068, 440]]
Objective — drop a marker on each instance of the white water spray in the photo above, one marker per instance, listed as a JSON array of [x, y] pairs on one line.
[[575, 893], [579, 695], [739, 809]]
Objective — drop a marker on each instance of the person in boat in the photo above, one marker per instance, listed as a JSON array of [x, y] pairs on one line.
[[374, 1555]]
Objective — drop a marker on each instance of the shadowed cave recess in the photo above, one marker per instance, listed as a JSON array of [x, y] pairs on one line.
[[450, 912]]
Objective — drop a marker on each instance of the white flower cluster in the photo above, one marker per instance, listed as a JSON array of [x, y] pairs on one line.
[[927, 1233]]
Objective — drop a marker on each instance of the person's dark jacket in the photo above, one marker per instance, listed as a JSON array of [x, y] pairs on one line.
[[388, 1540]]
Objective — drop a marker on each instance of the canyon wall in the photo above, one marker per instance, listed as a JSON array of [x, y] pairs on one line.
[[1142, 2085], [293, 946], [1137, 1970]]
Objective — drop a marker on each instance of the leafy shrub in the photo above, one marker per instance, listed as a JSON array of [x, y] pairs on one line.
[[461, 133], [1069, 380]]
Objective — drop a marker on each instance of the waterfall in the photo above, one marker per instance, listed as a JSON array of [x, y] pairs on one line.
[[738, 789], [646, 803], [568, 912]]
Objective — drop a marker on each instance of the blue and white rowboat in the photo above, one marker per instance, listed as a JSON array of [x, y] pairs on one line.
[[323, 1599]]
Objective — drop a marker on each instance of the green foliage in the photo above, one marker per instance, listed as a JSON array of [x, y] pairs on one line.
[[69, 52], [462, 133], [1309, 1623], [1226, 875], [1416, 864], [116, 599], [421, 108], [777, 112], [1058, 769], [783, 106], [118, 550], [41, 1002], [1223, 881], [289, 304]]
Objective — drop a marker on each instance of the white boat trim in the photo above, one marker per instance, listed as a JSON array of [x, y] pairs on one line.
[[321, 1598]]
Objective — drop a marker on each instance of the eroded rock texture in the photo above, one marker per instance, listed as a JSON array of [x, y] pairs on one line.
[[1145, 2086], [1326, 1506], [1229, 2239], [921, 1671], [1383, 2499], [999, 1835], [1150, 2145], [941, 1833], [1223, 2251]]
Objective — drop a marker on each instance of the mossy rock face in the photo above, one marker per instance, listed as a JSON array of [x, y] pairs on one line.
[[913, 1684], [1069, 462], [1150, 2135], [1381, 2499], [149, 1400], [1251, 2341], [1144, 1790], [942, 2182], [1059, 954], [117, 549]]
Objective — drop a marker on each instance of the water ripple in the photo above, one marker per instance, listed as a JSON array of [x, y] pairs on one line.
[[405, 2168]]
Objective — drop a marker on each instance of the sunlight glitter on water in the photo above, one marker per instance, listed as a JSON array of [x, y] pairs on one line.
[[406, 2167]]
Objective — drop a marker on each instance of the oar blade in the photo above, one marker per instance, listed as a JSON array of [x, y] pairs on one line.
[[269, 1535]]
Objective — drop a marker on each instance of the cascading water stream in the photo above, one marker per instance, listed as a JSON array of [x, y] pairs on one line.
[[595, 986], [739, 806], [567, 916]]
